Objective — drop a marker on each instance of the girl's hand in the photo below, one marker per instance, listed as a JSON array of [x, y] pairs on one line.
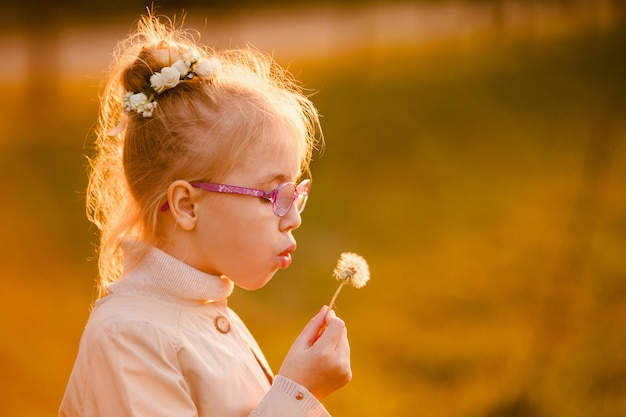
[[320, 362]]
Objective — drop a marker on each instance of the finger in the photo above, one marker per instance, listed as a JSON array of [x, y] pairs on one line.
[[311, 331], [335, 330], [331, 315]]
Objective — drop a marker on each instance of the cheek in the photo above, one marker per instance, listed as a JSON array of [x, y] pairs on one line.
[[239, 230], [243, 222]]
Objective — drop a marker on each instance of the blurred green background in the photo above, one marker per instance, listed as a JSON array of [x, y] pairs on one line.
[[475, 156]]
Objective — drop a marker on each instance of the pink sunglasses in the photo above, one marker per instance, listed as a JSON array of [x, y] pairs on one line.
[[282, 197]]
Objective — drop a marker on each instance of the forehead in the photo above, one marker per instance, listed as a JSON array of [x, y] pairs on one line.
[[275, 156]]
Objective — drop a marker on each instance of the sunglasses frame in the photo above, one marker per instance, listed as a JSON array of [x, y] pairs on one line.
[[301, 189]]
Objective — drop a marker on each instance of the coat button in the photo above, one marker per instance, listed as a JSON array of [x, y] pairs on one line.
[[222, 324]]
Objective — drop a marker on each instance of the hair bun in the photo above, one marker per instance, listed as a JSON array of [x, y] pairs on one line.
[[151, 58]]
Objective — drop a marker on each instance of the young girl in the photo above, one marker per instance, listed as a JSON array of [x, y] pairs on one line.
[[195, 188]]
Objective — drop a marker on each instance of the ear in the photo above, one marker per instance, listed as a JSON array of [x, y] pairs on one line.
[[179, 197]]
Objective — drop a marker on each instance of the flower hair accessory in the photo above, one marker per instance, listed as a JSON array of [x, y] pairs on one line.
[[139, 103], [185, 69]]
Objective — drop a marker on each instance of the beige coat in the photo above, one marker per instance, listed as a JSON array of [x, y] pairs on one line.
[[164, 343]]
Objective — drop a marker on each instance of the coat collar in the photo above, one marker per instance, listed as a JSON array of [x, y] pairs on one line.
[[151, 272]]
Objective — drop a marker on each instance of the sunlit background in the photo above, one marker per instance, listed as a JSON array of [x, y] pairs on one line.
[[475, 156]]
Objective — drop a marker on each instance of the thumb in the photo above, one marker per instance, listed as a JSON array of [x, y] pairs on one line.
[[312, 330]]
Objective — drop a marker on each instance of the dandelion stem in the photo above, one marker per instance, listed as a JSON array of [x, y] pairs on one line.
[[332, 301]]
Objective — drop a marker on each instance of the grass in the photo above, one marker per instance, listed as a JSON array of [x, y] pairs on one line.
[[483, 184]]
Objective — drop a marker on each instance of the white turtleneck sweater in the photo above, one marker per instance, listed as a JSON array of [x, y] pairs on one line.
[[164, 343]]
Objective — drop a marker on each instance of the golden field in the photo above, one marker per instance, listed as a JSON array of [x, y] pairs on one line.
[[483, 178]]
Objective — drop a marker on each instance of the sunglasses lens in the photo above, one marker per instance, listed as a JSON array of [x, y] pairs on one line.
[[284, 199], [303, 190]]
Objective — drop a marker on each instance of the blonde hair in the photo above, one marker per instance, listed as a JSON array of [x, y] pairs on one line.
[[198, 131]]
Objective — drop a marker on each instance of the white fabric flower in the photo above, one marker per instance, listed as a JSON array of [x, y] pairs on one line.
[[139, 103], [157, 81], [181, 67], [190, 57], [207, 67], [167, 78], [148, 109], [138, 100]]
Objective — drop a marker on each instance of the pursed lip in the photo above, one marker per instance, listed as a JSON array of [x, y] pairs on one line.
[[291, 249], [285, 256]]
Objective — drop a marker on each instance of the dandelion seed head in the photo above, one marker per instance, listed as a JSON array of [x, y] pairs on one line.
[[352, 269]]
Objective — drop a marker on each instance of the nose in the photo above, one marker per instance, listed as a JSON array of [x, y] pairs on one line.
[[292, 220]]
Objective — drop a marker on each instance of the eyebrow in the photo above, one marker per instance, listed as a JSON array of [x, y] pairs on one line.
[[280, 178]]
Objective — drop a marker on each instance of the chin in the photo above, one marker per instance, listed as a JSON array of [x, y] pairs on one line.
[[255, 284]]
